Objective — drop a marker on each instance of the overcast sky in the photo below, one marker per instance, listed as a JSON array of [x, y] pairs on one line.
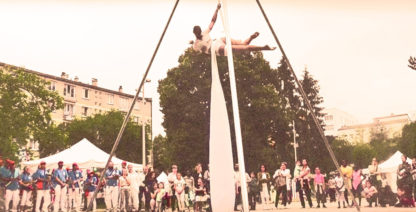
[[358, 50]]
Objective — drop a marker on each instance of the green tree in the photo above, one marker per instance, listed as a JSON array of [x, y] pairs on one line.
[[342, 150], [408, 140], [102, 130], [412, 63], [185, 96], [383, 146], [362, 155], [161, 153], [25, 108], [311, 145]]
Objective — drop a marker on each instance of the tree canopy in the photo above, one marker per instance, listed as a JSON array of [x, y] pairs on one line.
[[25, 108], [101, 130], [268, 102]]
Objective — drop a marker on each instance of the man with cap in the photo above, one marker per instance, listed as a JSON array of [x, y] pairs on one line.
[[43, 187], [11, 177], [111, 189], [91, 185], [124, 166], [59, 179], [75, 179]]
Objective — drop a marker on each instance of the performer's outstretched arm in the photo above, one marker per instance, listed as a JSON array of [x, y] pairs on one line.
[[214, 18]]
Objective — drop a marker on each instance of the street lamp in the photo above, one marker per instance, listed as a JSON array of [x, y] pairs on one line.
[[295, 145], [143, 129]]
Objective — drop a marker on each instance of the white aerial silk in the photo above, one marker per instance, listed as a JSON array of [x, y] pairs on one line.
[[222, 183]]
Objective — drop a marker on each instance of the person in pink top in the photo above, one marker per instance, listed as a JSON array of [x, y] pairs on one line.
[[319, 182], [356, 184]]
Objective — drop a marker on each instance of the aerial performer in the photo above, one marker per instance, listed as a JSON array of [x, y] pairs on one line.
[[203, 42]]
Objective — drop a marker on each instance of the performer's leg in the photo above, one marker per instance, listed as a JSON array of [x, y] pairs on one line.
[[239, 42], [245, 48]]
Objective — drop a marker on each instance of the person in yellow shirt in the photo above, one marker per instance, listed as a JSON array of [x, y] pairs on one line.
[[346, 171]]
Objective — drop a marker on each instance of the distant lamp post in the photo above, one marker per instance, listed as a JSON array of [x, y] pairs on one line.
[[144, 129], [295, 145]]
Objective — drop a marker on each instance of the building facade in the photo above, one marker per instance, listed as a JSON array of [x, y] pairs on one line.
[[82, 100], [334, 119], [391, 126]]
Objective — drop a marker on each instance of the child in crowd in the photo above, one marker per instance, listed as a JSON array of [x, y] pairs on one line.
[[340, 189], [370, 193], [253, 186], [331, 188], [153, 197], [319, 182], [179, 185], [160, 194], [200, 195]]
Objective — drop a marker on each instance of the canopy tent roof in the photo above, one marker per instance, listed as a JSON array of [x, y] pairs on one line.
[[84, 153], [391, 164], [389, 169]]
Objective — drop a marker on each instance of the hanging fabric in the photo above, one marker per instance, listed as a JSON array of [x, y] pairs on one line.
[[222, 183]]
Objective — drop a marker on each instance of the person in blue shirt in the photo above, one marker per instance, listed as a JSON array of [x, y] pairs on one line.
[[26, 187], [91, 185], [11, 177], [75, 181], [43, 184], [2, 188], [111, 189], [59, 179]]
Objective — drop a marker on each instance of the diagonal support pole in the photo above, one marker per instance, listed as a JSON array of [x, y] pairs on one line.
[[306, 100], [127, 117]]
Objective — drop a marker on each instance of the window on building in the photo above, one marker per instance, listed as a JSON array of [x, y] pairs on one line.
[[329, 118], [85, 111], [124, 102], [111, 99], [69, 91], [136, 119], [69, 109], [52, 86], [86, 93]]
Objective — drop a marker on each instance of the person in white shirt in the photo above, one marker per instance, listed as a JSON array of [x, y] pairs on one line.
[[237, 177], [203, 42], [304, 184], [134, 180], [340, 188], [280, 177], [179, 185], [124, 190]]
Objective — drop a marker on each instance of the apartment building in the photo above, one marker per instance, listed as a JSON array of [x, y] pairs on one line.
[[86, 99], [334, 119], [390, 125]]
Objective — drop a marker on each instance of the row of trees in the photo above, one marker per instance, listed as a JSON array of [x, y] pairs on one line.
[[25, 112], [268, 102]]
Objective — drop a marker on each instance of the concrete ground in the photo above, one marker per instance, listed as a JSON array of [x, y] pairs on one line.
[[295, 206]]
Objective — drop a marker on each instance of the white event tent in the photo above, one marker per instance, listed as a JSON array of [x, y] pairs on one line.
[[84, 153], [389, 167]]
